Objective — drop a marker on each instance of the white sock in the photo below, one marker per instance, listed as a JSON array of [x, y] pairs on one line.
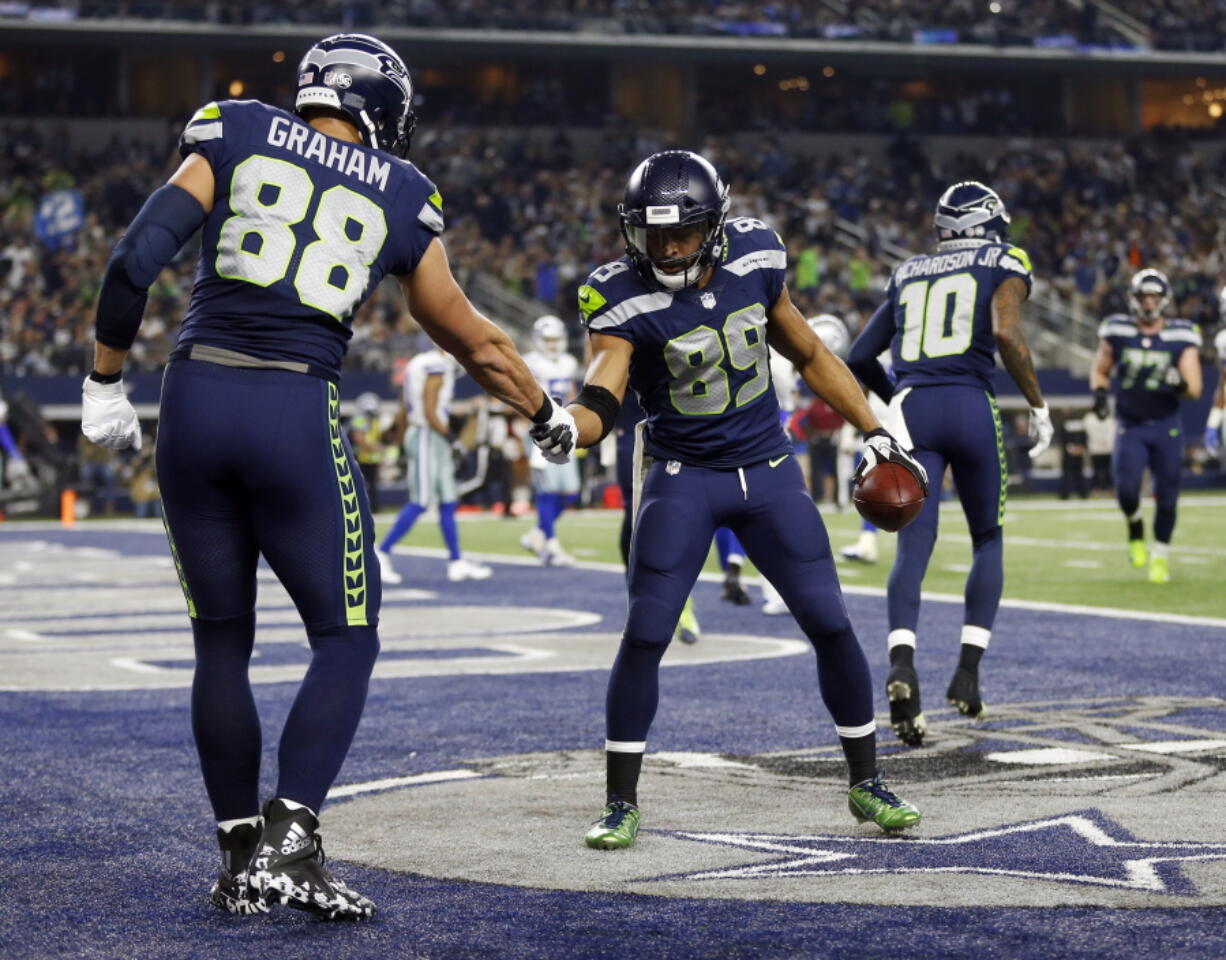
[[976, 636], [1159, 549], [900, 638], [225, 826]]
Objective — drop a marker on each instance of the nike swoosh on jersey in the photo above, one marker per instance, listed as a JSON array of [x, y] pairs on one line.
[[778, 460]]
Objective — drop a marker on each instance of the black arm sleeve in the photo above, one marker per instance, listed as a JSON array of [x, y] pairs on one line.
[[602, 403], [169, 217], [862, 358]]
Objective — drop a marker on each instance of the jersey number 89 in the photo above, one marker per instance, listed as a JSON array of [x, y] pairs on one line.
[[268, 196], [700, 386]]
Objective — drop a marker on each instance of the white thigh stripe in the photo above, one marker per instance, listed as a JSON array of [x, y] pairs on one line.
[[625, 746], [865, 731]]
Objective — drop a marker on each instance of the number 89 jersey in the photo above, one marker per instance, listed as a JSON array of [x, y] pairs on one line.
[[304, 226], [701, 367], [942, 310]]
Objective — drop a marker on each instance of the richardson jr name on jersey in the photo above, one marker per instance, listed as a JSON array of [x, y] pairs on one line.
[[701, 366]]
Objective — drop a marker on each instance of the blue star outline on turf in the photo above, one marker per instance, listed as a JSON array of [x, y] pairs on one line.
[[1083, 847]]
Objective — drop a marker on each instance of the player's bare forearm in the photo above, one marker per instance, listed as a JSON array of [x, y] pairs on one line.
[[1219, 395], [609, 368], [1189, 369], [108, 360], [825, 374], [481, 346], [1011, 342], [1100, 370]]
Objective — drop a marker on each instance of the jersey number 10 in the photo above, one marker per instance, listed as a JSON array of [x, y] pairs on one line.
[[268, 197], [927, 311]]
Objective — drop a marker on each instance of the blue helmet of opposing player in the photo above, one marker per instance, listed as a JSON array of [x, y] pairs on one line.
[[365, 79], [671, 189], [971, 211], [1145, 282]]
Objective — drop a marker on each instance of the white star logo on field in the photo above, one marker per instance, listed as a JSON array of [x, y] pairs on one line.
[[1083, 847]]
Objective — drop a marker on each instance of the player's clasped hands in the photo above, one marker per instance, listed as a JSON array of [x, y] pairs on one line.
[[108, 417], [555, 438], [880, 447]]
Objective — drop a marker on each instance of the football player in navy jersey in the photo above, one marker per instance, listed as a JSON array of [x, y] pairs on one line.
[[685, 318], [302, 215], [1153, 362], [945, 316]]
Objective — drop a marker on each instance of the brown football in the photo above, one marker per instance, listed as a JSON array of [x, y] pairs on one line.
[[888, 496]]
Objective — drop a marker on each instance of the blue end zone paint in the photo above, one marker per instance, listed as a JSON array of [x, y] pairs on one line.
[[106, 834]]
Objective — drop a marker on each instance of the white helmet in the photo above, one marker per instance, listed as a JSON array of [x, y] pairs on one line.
[[549, 334], [367, 403], [833, 333]]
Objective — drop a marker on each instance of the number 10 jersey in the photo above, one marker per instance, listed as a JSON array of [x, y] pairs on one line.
[[303, 228], [701, 365]]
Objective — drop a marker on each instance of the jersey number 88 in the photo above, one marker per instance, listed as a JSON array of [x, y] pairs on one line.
[[268, 197]]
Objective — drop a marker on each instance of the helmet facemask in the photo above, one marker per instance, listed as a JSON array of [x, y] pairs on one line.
[[1149, 282], [676, 272]]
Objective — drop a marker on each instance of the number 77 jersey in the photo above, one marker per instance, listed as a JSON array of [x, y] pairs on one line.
[[701, 366], [303, 228], [941, 305]]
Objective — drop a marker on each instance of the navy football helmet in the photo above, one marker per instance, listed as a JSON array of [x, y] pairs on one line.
[[365, 79], [674, 188], [971, 211], [1149, 281]]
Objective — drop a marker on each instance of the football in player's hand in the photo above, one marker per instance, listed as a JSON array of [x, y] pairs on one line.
[[888, 496]]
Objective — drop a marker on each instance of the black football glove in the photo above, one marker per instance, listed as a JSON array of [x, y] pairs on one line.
[[880, 447], [1102, 403]]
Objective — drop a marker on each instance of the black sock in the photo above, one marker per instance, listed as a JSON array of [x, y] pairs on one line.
[[1136, 531], [970, 657], [903, 653], [622, 775], [861, 754]]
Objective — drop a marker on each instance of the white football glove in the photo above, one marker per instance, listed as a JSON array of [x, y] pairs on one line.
[[108, 417], [1041, 430], [555, 438], [880, 447]]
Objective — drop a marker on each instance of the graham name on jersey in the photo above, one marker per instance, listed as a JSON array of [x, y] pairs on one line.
[[987, 256], [333, 153]]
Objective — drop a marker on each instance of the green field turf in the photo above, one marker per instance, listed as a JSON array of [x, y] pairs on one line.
[[1055, 551]]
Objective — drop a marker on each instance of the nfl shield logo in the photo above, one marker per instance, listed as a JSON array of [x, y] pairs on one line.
[[672, 468], [708, 300]]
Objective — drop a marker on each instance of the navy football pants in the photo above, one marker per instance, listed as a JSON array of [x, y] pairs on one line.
[[771, 512], [1159, 446], [958, 426], [251, 463]]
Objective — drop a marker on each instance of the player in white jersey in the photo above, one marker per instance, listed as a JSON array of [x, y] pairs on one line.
[[556, 485], [429, 385]]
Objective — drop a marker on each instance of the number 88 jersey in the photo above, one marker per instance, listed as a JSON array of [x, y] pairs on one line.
[[304, 226], [701, 366]]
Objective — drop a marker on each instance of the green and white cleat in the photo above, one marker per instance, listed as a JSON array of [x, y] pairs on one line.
[[872, 800], [616, 828], [1138, 556]]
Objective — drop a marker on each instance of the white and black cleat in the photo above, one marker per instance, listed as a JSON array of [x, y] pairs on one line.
[[288, 868], [231, 891]]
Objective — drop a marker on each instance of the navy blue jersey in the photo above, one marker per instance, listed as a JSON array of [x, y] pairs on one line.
[[700, 367], [941, 308], [303, 227], [1142, 361]]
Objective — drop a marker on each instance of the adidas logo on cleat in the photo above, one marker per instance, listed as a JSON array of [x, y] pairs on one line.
[[297, 839]]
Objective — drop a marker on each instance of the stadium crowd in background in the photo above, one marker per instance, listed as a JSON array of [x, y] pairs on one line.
[[519, 206]]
